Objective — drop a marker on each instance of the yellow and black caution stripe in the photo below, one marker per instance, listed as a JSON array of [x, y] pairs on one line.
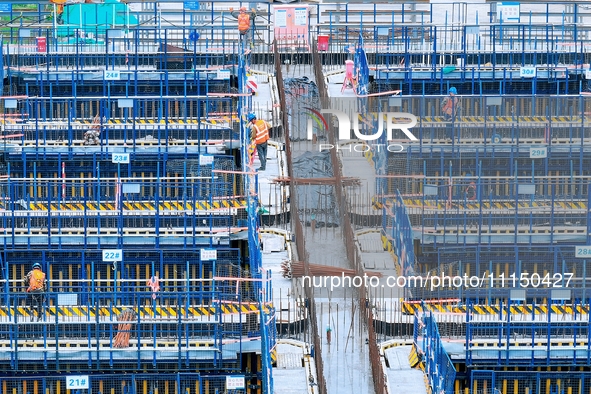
[[143, 206], [143, 311], [73, 343], [501, 205], [528, 343], [386, 243], [410, 308], [505, 119], [481, 119], [376, 203], [413, 357], [212, 120]]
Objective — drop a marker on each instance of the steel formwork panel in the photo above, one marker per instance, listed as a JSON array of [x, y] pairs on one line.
[[178, 196], [520, 381], [204, 382], [471, 162], [199, 302]]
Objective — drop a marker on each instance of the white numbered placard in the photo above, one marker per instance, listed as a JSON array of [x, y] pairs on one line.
[[527, 72], [205, 160], [112, 75], [538, 153], [223, 74], [77, 382], [583, 252], [508, 11], [113, 255], [235, 382], [209, 254], [120, 158]]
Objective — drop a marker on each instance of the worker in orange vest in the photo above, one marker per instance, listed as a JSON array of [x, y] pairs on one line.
[[260, 136], [36, 286], [244, 19]]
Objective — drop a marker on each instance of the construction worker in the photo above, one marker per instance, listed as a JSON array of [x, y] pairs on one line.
[[59, 9], [36, 287], [154, 284], [245, 20], [260, 136], [91, 136], [450, 106]]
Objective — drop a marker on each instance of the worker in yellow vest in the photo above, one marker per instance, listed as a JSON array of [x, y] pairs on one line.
[[260, 136]]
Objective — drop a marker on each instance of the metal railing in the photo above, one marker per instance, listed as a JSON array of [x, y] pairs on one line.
[[166, 327], [522, 382], [150, 382], [438, 366]]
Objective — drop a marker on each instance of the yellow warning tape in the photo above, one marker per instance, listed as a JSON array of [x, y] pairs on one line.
[[501, 205], [143, 311], [213, 120], [526, 309], [413, 357], [143, 206], [506, 119]]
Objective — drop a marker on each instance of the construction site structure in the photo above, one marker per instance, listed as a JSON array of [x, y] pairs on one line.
[[124, 174], [122, 177]]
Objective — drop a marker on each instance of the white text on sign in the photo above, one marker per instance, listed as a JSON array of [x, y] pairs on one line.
[[583, 252], [113, 255], [77, 382], [120, 158], [235, 382], [538, 153], [527, 72], [209, 254], [112, 75]]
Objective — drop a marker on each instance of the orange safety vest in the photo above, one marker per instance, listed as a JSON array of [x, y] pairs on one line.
[[36, 281], [262, 132], [243, 22], [448, 108]]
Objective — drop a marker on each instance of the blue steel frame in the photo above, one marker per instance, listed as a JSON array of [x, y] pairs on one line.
[[482, 68], [250, 177], [191, 84], [525, 340], [536, 382], [151, 327], [166, 383], [438, 366]]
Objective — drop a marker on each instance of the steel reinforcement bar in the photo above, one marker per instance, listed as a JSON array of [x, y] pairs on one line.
[[349, 235], [299, 230]]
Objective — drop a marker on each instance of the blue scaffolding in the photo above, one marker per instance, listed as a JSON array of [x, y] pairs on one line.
[[437, 365], [122, 174], [421, 48]]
